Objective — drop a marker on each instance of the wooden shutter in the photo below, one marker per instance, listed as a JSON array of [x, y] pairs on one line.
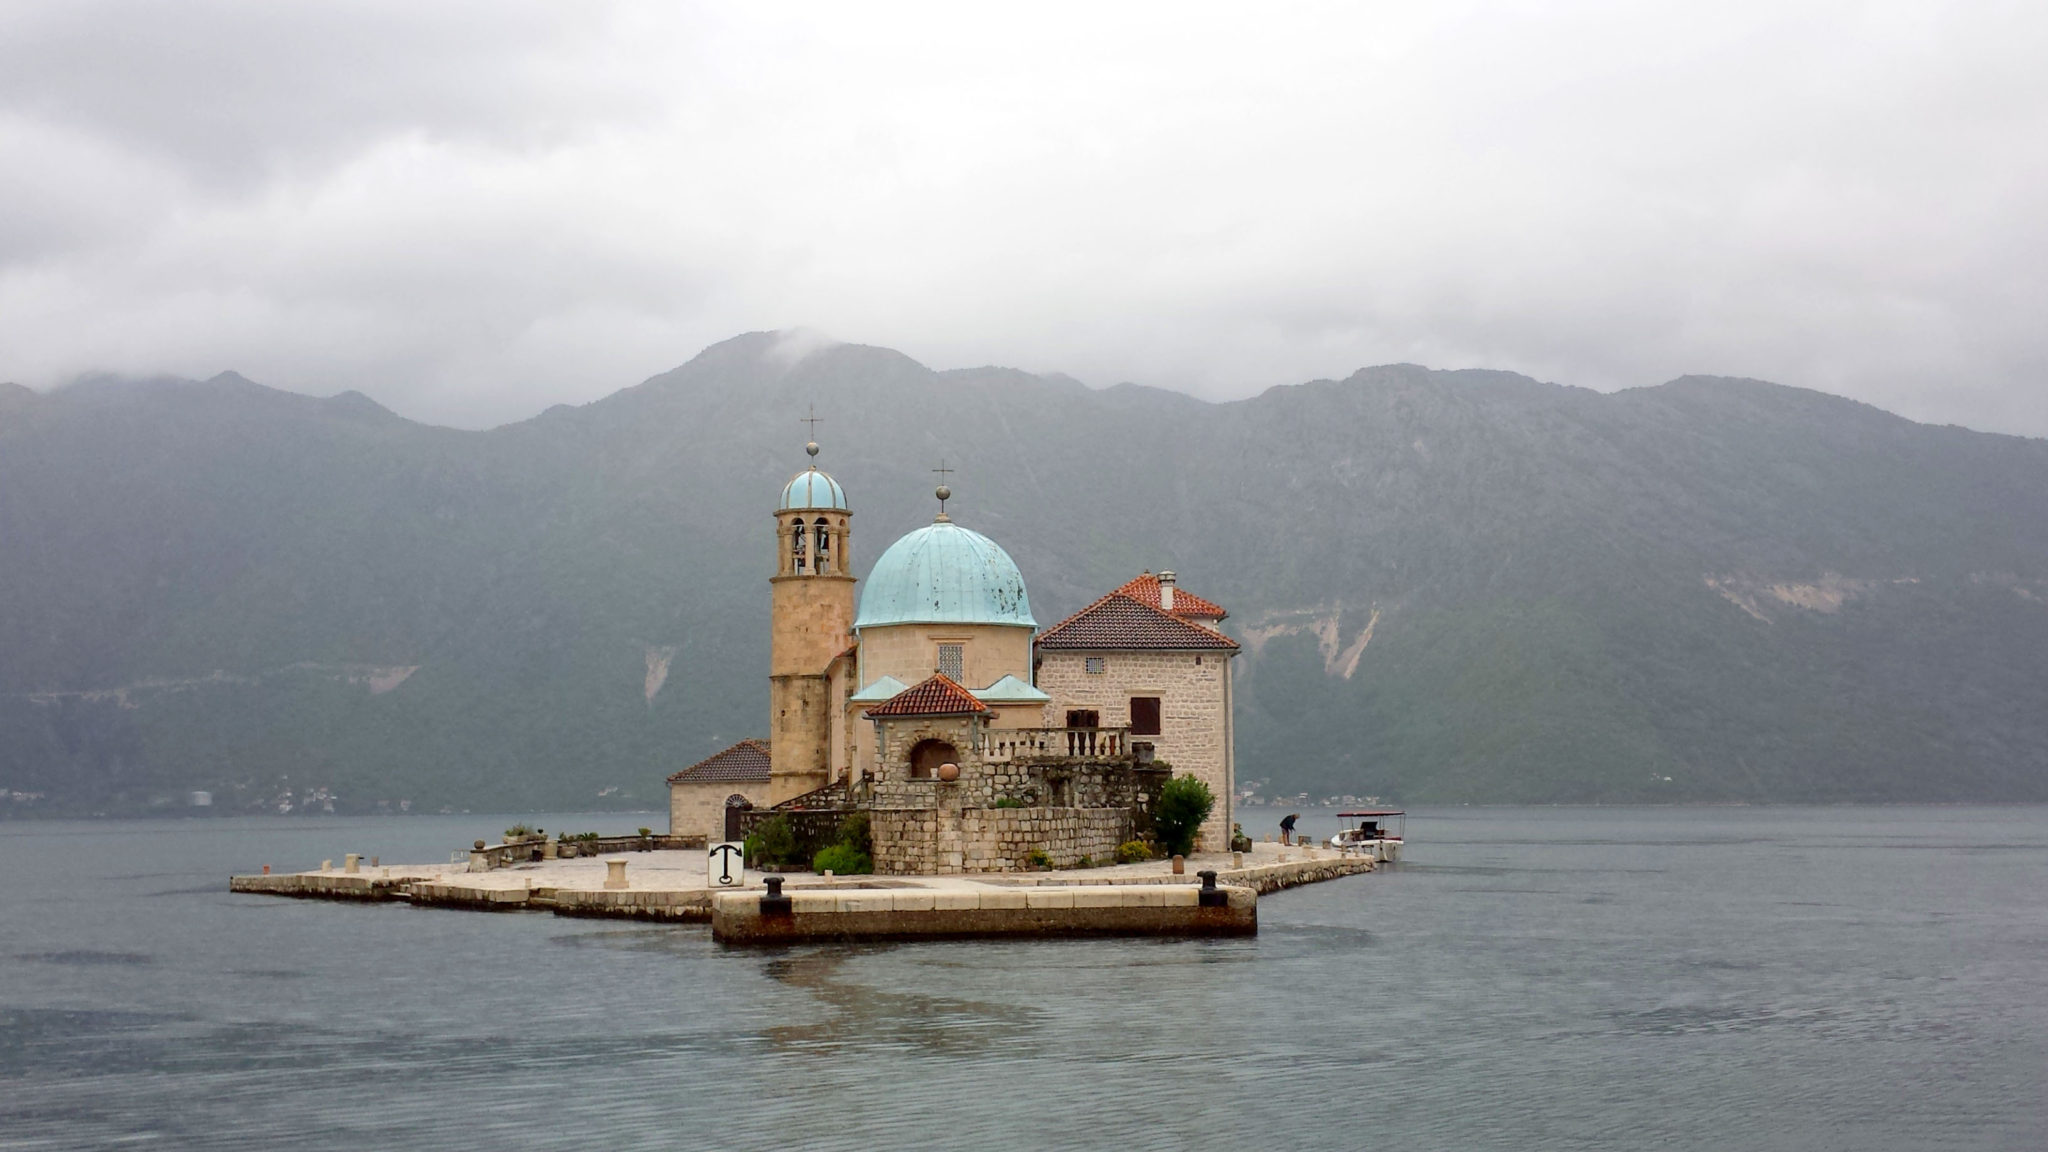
[[1144, 715]]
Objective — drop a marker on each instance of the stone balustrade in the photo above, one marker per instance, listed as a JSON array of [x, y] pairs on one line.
[[1002, 745]]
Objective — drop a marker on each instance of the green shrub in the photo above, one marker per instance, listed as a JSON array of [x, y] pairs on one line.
[[840, 860], [1010, 802], [854, 834], [517, 832], [1038, 859], [1182, 806], [773, 842], [1085, 862], [1133, 852], [646, 832]]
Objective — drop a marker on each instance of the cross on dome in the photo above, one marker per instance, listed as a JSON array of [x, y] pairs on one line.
[[943, 492]]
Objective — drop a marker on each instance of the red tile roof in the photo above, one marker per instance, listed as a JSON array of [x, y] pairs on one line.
[[1145, 590], [1119, 622], [938, 696], [744, 762]]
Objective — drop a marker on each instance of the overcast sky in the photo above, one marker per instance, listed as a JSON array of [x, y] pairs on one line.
[[472, 211]]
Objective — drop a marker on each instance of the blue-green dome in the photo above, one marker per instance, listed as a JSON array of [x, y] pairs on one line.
[[812, 489], [944, 574]]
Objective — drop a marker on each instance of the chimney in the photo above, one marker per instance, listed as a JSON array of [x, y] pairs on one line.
[[1166, 591]]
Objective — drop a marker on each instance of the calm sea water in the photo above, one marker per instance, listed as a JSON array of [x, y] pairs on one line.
[[1788, 978]]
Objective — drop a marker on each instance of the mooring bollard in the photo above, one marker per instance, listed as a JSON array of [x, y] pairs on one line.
[[615, 874], [1180, 866], [1211, 896], [775, 903], [351, 863]]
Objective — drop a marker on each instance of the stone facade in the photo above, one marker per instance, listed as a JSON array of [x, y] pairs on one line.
[[910, 652], [945, 840], [696, 809], [1194, 693]]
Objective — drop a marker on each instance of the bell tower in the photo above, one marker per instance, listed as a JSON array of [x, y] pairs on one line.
[[811, 614]]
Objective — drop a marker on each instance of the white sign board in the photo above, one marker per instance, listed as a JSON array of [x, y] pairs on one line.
[[728, 865]]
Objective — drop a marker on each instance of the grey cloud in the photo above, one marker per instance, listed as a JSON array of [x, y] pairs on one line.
[[471, 212]]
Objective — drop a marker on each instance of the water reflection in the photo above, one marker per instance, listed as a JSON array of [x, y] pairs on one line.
[[862, 1015]]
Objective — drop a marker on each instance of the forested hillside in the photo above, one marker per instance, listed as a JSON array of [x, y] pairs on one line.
[[1451, 586]]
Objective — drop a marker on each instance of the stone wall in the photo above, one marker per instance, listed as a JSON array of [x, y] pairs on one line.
[[810, 624], [927, 841], [893, 786], [1194, 705]]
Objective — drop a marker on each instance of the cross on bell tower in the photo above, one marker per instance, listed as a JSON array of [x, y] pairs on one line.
[[812, 420]]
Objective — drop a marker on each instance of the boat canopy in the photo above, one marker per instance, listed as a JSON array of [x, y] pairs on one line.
[[1372, 812]]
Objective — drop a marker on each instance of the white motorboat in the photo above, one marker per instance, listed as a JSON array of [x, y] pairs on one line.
[[1379, 833]]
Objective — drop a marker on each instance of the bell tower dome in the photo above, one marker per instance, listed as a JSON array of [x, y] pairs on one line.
[[811, 624]]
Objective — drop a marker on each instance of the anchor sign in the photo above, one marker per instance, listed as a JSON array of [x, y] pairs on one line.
[[728, 865]]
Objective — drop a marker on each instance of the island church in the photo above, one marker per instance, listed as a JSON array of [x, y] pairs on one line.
[[928, 697]]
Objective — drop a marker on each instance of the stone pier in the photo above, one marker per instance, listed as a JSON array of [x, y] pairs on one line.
[[670, 886]]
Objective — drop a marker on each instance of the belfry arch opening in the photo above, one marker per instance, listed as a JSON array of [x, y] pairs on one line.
[[822, 551]]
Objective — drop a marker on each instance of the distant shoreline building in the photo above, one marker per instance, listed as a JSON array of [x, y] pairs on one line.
[[933, 702]]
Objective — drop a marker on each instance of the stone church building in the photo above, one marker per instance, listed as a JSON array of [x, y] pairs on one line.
[[927, 696]]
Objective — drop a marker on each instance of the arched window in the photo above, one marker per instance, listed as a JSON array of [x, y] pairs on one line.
[[796, 545], [824, 550]]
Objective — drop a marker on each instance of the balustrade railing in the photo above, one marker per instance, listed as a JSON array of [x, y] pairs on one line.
[[1000, 745]]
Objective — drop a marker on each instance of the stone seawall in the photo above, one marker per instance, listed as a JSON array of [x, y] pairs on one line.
[[631, 905], [966, 913], [463, 896], [1273, 877], [937, 841], [322, 886]]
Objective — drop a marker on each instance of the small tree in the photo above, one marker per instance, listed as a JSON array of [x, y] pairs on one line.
[[1178, 814], [854, 833], [773, 842]]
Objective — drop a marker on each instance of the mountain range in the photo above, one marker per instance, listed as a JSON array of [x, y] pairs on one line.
[[1450, 586]]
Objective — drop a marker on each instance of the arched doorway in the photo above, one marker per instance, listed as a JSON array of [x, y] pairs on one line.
[[927, 755], [734, 805]]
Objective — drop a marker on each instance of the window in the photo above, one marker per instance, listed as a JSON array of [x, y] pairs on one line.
[[1094, 665], [823, 551], [796, 545], [1083, 718], [1144, 715], [953, 660]]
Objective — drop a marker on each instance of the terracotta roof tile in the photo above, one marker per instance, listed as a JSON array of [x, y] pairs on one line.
[[1118, 621], [938, 696], [744, 762], [1145, 590]]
